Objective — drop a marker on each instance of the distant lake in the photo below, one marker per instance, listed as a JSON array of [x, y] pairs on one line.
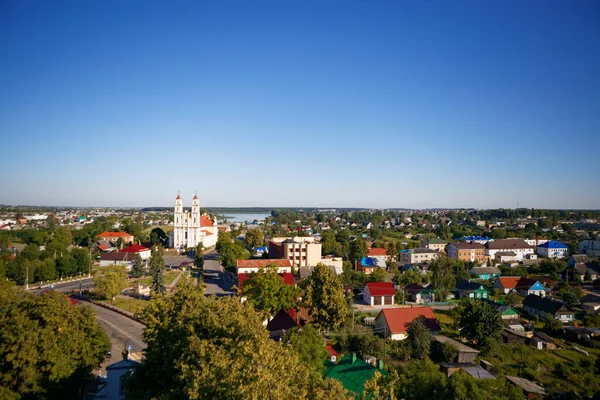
[[241, 217]]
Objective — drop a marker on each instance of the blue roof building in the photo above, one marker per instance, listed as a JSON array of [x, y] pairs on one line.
[[553, 249]]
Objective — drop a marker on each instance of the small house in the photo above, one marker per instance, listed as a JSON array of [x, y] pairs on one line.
[[486, 272], [471, 289], [379, 293], [419, 294], [506, 311], [475, 371], [545, 307], [530, 389], [352, 372], [394, 322], [466, 354]]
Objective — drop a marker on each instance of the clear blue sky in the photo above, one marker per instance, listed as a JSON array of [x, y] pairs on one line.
[[368, 103]]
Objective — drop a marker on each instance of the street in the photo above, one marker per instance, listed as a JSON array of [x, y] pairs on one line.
[[217, 281], [121, 330], [73, 286]]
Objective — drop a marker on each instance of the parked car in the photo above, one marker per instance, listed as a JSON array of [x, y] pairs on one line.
[[47, 286]]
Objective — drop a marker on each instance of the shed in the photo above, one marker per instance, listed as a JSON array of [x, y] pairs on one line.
[[466, 354], [530, 389], [474, 370]]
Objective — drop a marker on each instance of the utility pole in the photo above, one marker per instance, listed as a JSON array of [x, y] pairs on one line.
[[385, 346]]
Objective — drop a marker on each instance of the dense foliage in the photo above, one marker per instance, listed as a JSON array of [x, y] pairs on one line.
[[325, 299], [209, 348], [48, 346]]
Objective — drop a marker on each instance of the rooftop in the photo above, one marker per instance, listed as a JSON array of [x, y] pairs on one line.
[[381, 288], [260, 263], [352, 375], [398, 319]]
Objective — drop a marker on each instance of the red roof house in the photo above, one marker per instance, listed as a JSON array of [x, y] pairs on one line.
[[114, 236], [394, 322], [379, 293], [374, 252], [144, 252]]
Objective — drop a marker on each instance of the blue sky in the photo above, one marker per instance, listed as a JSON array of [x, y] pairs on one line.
[[368, 103]]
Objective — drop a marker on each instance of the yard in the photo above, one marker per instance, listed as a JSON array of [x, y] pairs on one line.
[[557, 370], [128, 303], [168, 277]]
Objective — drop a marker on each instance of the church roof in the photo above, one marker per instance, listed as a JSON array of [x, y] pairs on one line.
[[178, 197], [195, 197], [205, 221]]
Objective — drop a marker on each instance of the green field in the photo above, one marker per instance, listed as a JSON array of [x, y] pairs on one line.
[[128, 304], [168, 277]]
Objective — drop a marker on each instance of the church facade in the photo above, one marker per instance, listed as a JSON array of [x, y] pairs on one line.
[[191, 227]]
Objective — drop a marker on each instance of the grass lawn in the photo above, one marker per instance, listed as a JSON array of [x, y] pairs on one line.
[[148, 229], [168, 277], [557, 370], [128, 304]]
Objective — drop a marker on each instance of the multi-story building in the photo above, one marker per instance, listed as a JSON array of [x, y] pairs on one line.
[[553, 249], [301, 251], [518, 246], [434, 244], [418, 255], [474, 252], [191, 228]]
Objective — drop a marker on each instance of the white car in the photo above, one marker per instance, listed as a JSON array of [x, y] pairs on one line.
[[47, 286]]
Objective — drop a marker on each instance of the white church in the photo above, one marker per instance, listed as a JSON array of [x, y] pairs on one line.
[[191, 228]]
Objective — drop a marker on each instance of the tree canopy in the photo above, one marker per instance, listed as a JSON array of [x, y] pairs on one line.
[[111, 282], [157, 263], [267, 291], [480, 323], [254, 238], [325, 298], [209, 348], [48, 346]]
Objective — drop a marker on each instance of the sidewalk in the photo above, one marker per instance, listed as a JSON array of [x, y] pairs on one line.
[[177, 278]]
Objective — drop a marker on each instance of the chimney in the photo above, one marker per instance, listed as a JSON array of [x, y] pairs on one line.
[[125, 354], [353, 357]]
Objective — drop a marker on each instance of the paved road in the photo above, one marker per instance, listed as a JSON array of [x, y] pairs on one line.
[[216, 280], [69, 286], [121, 330]]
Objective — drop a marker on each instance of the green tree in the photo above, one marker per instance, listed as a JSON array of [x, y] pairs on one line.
[[112, 282], [329, 245], [159, 237], [267, 291], [358, 250], [81, 258], [137, 269], [480, 323], [199, 257], [204, 348], [157, 264], [378, 275], [309, 346], [512, 299], [254, 238], [325, 298], [48, 347], [442, 277], [419, 339]]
